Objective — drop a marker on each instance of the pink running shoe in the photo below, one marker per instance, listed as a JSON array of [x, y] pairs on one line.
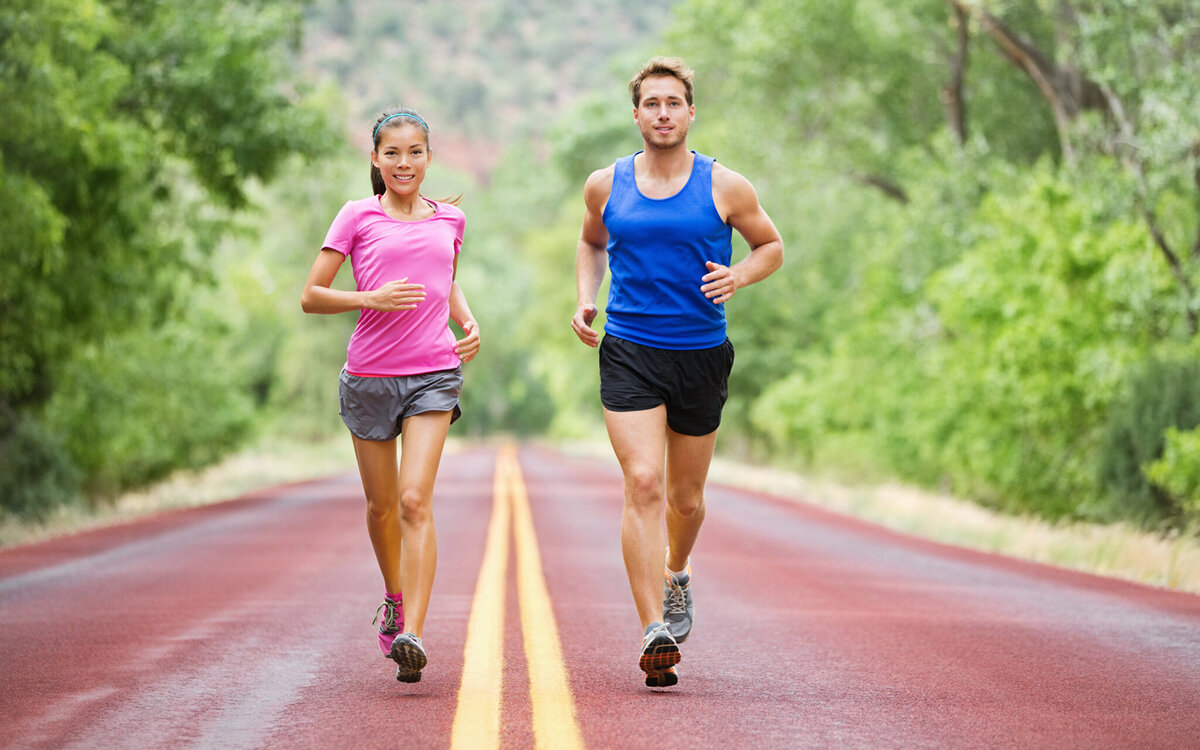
[[392, 625]]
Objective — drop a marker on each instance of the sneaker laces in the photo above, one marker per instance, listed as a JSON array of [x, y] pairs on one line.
[[677, 598], [389, 617]]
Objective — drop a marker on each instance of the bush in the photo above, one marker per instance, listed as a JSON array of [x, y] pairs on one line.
[[140, 407], [1178, 472], [1162, 394], [36, 474]]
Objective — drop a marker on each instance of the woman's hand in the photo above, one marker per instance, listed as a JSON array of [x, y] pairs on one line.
[[468, 346], [396, 295]]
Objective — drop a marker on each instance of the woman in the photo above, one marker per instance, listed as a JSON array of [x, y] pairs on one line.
[[403, 372]]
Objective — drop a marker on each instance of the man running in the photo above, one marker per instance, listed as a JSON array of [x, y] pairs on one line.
[[661, 220]]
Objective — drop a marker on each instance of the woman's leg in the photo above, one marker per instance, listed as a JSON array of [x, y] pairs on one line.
[[421, 443], [381, 484]]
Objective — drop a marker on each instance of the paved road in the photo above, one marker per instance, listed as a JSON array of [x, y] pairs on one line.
[[247, 624]]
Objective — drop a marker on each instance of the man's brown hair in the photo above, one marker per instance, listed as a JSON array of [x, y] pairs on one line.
[[662, 66]]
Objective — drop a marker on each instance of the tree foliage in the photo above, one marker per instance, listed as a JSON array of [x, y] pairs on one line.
[[990, 210], [130, 131]]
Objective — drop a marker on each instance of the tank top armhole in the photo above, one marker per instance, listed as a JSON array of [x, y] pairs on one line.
[[622, 166]]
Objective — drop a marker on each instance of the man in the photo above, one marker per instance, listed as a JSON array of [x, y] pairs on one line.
[[661, 220]]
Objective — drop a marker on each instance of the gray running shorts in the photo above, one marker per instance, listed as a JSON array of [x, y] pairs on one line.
[[374, 408]]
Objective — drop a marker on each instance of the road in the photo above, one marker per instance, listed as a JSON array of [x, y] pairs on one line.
[[247, 624]]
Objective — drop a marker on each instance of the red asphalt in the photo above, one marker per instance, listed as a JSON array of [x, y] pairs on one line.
[[246, 624]]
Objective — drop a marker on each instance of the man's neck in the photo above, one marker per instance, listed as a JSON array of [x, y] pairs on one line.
[[666, 163]]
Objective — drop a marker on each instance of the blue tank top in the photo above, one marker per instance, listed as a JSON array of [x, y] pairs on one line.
[[656, 254]]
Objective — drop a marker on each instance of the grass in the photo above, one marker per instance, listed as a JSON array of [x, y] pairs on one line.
[[1116, 550], [263, 465]]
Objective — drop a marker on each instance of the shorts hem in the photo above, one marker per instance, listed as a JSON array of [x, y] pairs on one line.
[[627, 408], [689, 433]]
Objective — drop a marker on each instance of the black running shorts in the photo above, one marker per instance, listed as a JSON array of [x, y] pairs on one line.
[[692, 383]]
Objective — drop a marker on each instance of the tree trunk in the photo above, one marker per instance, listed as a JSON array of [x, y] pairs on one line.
[[1069, 92], [952, 92], [885, 186]]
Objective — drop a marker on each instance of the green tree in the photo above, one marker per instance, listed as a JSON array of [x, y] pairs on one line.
[[990, 211], [130, 131]]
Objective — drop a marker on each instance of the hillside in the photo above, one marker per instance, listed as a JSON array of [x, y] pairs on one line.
[[483, 73]]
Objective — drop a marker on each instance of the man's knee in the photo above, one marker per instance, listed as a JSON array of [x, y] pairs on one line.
[[644, 486]]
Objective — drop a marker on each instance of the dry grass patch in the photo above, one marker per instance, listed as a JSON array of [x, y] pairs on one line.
[[264, 465], [1116, 550]]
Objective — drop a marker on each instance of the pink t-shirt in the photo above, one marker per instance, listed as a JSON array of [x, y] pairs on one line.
[[383, 249]]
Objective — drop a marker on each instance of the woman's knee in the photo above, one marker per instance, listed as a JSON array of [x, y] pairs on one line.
[[414, 506], [686, 503]]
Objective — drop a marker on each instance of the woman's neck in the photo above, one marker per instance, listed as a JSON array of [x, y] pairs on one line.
[[408, 207]]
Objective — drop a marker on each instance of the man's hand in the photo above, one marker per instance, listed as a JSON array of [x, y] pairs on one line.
[[720, 282], [582, 325]]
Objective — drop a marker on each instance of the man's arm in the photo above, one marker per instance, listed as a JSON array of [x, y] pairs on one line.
[[591, 255], [737, 202]]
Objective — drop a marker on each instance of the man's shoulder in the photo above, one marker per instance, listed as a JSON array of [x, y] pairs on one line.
[[727, 181], [604, 174], [599, 184]]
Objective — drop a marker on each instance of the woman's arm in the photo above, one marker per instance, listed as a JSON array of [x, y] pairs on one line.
[[460, 312], [319, 298]]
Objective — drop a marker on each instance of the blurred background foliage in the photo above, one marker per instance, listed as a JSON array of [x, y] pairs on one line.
[[991, 211]]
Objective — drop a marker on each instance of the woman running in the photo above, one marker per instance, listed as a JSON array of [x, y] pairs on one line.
[[403, 371]]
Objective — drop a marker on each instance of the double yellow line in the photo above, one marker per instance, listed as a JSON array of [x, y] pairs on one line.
[[477, 719]]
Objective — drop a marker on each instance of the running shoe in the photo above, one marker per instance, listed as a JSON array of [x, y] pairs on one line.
[[409, 655], [392, 625], [659, 656], [678, 610]]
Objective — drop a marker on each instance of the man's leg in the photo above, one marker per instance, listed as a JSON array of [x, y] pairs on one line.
[[688, 459], [639, 441]]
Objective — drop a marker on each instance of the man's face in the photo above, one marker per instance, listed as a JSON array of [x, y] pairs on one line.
[[663, 115]]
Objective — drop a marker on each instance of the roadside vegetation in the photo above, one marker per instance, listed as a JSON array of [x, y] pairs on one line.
[[991, 212]]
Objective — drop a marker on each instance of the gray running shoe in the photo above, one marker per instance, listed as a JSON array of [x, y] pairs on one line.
[[409, 655], [659, 656], [678, 610]]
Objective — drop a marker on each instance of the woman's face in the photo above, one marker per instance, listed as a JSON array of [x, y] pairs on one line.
[[402, 156]]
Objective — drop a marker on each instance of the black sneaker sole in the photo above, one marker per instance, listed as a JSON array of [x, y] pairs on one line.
[[410, 660], [665, 678], [658, 657]]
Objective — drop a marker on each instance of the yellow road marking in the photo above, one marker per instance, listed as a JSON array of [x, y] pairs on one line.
[[554, 723], [477, 718]]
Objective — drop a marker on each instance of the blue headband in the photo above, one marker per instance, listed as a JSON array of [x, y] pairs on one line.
[[398, 114]]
